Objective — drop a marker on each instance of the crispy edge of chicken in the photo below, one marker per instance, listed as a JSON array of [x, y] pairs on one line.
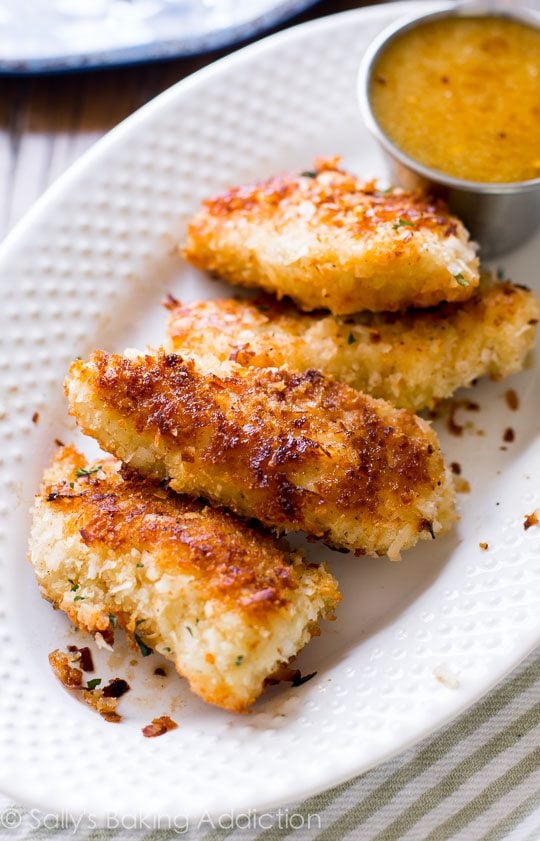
[[413, 360], [226, 602], [329, 240], [296, 451]]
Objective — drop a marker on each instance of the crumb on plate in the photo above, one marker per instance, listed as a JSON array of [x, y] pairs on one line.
[[159, 726], [531, 520]]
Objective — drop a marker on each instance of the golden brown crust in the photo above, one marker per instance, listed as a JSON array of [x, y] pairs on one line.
[[118, 510], [329, 240], [342, 201], [225, 602], [413, 359], [296, 451]]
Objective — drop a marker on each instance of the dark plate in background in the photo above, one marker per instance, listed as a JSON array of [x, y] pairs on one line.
[[52, 36]]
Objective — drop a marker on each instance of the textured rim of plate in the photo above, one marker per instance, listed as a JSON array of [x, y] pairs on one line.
[[114, 140], [159, 50]]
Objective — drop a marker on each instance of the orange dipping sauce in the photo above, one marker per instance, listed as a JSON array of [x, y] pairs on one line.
[[462, 95]]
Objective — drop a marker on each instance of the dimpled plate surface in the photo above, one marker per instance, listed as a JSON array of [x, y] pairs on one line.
[[414, 643]]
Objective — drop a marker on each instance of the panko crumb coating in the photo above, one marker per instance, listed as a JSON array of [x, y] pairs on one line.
[[413, 359], [225, 601], [329, 240], [299, 452]]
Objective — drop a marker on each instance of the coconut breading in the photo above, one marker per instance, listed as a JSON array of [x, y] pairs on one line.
[[330, 240], [296, 451], [227, 602], [413, 360]]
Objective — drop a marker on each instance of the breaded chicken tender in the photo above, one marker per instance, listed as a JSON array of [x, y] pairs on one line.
[[413, 360], [329, 240], [296, 451], [225, 601]]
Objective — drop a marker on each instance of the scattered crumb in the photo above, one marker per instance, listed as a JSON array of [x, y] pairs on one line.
[[456, 468], [484, 546], [512, 400], [303, 679], [453, 427], [115, 688], [462, 486], [454, 405], [170, 302], [160, 671], [35, 417], [504, 449], [105, 706], [104, 701], [58, 442], [531, 520], [285, 674], [70, 676], [509, 435], [159, 726], [83, 657], [446, 676], [104, 639]]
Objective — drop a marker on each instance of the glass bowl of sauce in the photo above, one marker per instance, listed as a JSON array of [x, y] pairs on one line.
[[454, 99]]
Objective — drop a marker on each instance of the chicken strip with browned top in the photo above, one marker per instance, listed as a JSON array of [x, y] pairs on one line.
[[328, 239], [296, 451], [226, 602], [413, 360]]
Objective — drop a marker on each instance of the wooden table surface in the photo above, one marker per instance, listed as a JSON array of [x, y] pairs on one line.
[[46, 122]]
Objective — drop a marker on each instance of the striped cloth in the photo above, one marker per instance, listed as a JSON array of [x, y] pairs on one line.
[[477, 780]]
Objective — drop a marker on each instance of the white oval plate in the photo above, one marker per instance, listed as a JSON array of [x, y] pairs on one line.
[[414, 644]]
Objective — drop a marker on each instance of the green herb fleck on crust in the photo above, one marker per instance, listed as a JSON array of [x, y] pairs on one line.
[[82, 471], [402, 223], [143, 648]]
